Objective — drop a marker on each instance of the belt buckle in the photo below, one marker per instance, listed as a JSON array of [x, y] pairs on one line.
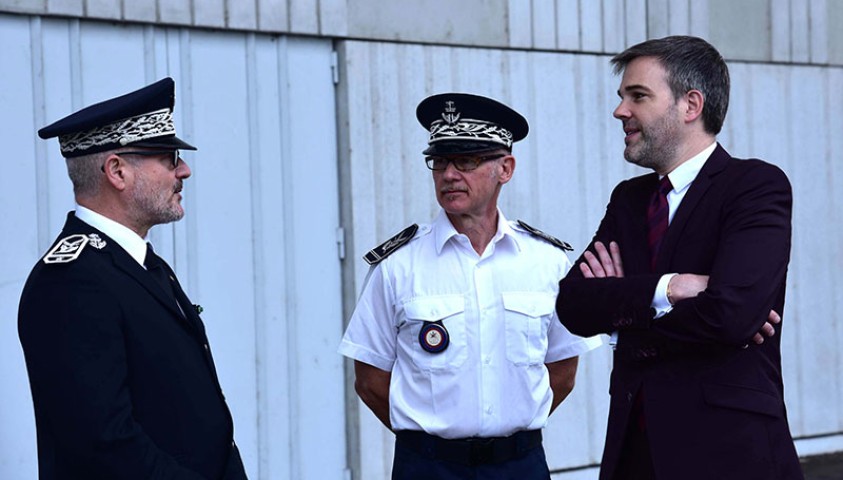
[[481, 451]]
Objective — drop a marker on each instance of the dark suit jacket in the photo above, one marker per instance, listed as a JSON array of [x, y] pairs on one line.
[[123, 384], [714, 406]]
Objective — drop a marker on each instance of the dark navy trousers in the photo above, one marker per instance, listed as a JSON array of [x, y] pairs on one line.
[[409, 465]]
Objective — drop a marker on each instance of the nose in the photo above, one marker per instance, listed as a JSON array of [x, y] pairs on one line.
[[621, 112], [183, 170], [450, 171]]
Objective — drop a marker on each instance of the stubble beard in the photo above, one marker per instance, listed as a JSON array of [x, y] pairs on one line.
[[658, 145], [154, 205]]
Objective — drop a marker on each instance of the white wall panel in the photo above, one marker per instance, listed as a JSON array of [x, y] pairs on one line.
[[568, 24], [257, 248], [544, 24]]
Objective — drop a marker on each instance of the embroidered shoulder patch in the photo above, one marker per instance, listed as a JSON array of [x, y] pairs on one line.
[[67, 249], [548, 238], [377, 254]]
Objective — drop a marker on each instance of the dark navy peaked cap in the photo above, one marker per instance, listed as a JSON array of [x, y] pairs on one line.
[[465, 123], [143, 118]]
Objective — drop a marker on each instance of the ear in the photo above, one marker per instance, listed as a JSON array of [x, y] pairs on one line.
[[116, 171], [507, 168], [694, 103]]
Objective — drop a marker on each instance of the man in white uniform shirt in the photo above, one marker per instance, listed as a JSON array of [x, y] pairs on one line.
[[456, 343]]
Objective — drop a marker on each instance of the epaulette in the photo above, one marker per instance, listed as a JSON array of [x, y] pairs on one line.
[[548, 238], [69, 248], [377, 254]]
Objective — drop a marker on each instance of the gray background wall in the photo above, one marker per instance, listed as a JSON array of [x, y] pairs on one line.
[[310, 155]]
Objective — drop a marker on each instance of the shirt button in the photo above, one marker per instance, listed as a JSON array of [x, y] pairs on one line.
[[206, 347], [488, 410], [488, 360]]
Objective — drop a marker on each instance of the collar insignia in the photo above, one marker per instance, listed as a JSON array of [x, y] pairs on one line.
[[95, 241]]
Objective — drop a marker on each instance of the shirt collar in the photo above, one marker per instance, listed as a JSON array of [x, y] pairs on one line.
[[131, 242], [443, 230], [682, 176]]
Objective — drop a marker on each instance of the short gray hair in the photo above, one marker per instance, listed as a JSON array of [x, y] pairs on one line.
[[86, 173]]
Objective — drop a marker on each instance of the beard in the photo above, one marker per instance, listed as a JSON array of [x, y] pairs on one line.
[[658, 143], [154, 204]]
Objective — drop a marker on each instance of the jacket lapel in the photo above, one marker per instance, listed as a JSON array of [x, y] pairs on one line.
[[714, 165], [123, 261]]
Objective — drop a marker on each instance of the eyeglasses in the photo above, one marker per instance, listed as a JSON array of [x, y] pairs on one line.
[[463, 164], [172, 155]]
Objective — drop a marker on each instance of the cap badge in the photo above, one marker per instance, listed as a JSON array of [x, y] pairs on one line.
[[433, 337], [450, 115], [95, 241], [67, 250]]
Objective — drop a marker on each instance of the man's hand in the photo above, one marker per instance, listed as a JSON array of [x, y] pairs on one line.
[[607, 263], [686, 285], [767, 329]]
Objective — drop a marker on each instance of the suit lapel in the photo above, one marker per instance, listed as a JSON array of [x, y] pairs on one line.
[[123, 261], [714, 165]]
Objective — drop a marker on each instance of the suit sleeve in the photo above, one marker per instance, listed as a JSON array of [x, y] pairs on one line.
[[72, 335], [590, 306], [748, 275]]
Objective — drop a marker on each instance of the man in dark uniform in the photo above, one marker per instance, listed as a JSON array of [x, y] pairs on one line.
[[122, 378]]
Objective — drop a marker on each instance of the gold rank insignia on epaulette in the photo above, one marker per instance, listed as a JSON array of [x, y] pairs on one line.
[[548, 238], [377, 254]]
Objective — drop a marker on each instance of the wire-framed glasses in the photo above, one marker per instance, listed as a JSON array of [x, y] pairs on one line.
[[461, 163]]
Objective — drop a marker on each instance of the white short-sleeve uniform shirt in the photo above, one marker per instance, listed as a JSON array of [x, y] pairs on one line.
[[499, 311]]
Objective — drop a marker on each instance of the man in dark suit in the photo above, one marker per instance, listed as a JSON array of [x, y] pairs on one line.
[[122, 378], [690, 283]]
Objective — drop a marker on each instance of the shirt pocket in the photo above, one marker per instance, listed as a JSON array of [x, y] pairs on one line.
[[450, 310], [527, 316]]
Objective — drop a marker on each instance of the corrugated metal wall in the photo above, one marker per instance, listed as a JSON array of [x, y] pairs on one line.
[[257, 247], [566, 169]]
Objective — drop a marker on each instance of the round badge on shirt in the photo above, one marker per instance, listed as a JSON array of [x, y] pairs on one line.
[[433, 337]]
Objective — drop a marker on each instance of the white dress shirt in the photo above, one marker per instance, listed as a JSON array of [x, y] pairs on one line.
[[681, 178], [499, 311], [123, 235]]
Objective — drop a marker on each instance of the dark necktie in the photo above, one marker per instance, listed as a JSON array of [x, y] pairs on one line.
[[657, 216], [155, 266]]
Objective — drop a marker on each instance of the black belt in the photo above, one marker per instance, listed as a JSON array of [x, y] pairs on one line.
[[470, 451]]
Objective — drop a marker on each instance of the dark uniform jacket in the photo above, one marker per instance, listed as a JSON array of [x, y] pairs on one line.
[[123, 384], [713, 400]]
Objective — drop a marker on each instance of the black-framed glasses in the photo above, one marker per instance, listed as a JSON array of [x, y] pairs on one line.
[[461, 163], [172, 155]]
